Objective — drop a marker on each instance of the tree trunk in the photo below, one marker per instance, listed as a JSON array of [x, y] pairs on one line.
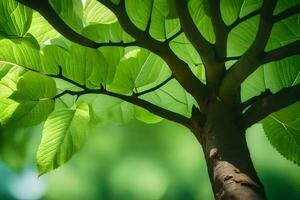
[[229, 164]]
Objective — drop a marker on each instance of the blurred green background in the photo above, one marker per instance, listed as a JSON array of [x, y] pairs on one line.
[[133, 162]]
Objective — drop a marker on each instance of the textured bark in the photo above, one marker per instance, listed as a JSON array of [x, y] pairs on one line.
[[230, 168]]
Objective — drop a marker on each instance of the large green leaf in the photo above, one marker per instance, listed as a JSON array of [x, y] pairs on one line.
[[25, 53], [172, 97], [25, 113], [64, 133], [33, 86], [283, 5], [71, 11], [113, 56], [29, 113], [164, 21], [200, 15], [83, 65], [185, 50], [109, 109], [102, 25], [26, 97], [9, 80], [21, 84], [231, 10], [42, 31], [284, 32], [94, 12], [139, 70], [240, 38], [15, 18], [139, 12], [106, 33], [283, 131]]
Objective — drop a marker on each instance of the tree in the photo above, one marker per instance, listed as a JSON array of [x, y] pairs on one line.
[[216, 67]]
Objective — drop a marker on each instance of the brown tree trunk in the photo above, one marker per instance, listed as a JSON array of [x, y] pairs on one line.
[[229, 164]]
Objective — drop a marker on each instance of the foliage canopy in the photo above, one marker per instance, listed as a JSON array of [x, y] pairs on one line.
[[82, 66]]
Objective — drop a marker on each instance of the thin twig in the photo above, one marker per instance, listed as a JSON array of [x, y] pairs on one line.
[[243, 19], [155, 88]]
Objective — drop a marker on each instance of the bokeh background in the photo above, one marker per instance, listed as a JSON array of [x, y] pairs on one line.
[[134, 162]]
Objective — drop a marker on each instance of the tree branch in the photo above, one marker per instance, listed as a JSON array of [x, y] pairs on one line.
[[281, 53], [179, 68], [271, 103], [249, 62], [231, 58], [46, 10], [239, 20], [221, 32], [287, 13], [168, 40], [117, 44], [254, 99], [203, 47], [220, 29], [164, 113]]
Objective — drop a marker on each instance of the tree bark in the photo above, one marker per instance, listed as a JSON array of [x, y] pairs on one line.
[[229, 164]]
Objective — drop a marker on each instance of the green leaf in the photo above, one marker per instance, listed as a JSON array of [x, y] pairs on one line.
[[249, 6], [108, 108], [185, 50], [25, 97], [94, 12], [4, 69], [145, 116], [7, 107], [200, 16], [231, 10], [24, 53], [64, 134], [15, 18], [283, 131], [103, 33], [19, 83], [241, 37], [24, 114], [283, 5], [71, 11], [83, 65], [29, 113], [113, 56], [164, 21], [34, 86], [172, 97], [139, 12], [42, 31], [284, 32], [9, 81], [139, 70]]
